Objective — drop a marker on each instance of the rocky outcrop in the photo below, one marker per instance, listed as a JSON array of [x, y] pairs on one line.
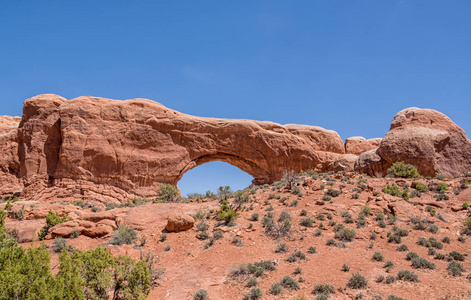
[[107, 149], [422, 137], [9, 161], [357, 144], [110, 150]]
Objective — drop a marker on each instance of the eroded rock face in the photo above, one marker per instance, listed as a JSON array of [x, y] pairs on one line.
[[9, 160], [110, 150], [100, 148], [425, 138], [357, 144]]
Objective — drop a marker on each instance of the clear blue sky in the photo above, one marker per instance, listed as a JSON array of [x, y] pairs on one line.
[[343, 65]]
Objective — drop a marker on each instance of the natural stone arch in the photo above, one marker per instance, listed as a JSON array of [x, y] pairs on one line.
[[246, 166], [109, 149]]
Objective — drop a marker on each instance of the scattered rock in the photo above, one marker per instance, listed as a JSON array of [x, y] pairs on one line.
[[179, 223]]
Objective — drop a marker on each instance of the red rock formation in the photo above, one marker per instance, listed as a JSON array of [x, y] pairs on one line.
[[110, 150], [100, 148], [425, 138], [9, 161], [357, 144]]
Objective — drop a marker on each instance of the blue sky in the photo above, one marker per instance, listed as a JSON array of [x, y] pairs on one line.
[[348, 66]]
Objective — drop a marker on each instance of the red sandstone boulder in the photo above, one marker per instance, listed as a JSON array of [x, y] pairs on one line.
[[357, 144], [179, 223], [425, 138], [25, 231]]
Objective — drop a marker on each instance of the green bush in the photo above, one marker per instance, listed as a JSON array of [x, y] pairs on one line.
[[227, 213], [168, 193], [421, 187], [93, 274], [123, 235], [60, 244], [324, 288], [289, 283], [406, 275], [402, 170], [357, 281], [455, 268], [422, 263], [345, 235], [201, 295], [255, 294], [307, 222], [282, 248], [276, 289], [378, 256], [52, 219], [394, 190]]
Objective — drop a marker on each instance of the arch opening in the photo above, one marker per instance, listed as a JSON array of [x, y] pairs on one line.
[[211, 175]]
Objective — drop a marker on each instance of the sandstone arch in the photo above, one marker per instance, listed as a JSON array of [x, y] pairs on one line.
[[96, 148]]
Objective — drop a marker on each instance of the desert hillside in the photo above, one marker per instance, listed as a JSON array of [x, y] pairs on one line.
[[315, 236]]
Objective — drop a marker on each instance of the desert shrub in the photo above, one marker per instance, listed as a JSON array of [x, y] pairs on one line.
[[390, 279], [52, 219], [324, 288], [226, 213], [357, 281], [256, 269], [411, 255], [394, 190], [290, 178], [456, 256], [237, 241], [422, 263], [255, 294], [251, 282], [284, 215], [75, 234], [289, 283], [439, 256], [402, 170], [282, 248], [333, 193], [311, 250], [378, 256], [280, 229], [361, 222], [163, 237], [297, 271], [218, 234], [295, 256], [406, 275], [201, 295], [355, 196], [432, 228], [303, 213], [345, 268], [60, 244], [123, 235], [431, 242], [203, 226], [307, 222], [345, 235], [455, 268], [275, 289], [168, 193], [365, 210], [415, 194], [441, 196], [421, 187], [388, 264], [326, 198], [224, 193]]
